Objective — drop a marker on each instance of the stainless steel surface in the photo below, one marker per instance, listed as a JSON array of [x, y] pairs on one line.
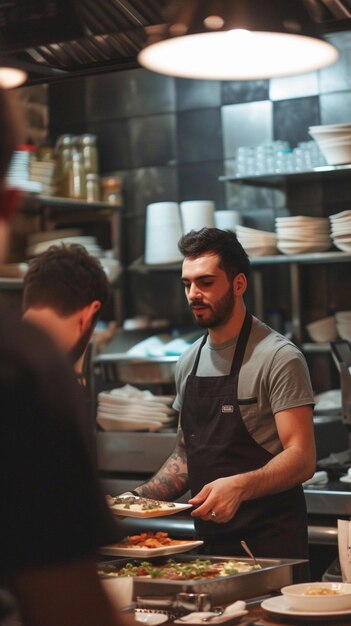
[[193, 601], [331, 499], [129, 452], [275, 573], [323, 535]]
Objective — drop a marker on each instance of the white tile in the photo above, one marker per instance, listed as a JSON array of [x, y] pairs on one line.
[[293, 86]]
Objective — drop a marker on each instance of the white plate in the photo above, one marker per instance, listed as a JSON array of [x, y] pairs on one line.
[[152, 619], [196, 618], [280, 605], [118, 509], [148, 552], [345, 479]]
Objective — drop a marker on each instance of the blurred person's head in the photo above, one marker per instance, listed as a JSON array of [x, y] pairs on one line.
[[65, 291], [11, 129]]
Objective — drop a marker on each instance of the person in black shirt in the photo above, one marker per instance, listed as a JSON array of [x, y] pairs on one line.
[[52, 513]]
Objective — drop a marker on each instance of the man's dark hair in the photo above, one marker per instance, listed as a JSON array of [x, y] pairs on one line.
[[11, 127], [233, 258], [66, 279]]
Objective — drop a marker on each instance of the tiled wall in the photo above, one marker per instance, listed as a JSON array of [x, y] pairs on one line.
[[170, 139]]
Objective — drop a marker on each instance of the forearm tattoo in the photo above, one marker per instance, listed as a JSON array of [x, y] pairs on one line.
[[171, 481]]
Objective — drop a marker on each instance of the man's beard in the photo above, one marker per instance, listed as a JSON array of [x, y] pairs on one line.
[[221, 311]]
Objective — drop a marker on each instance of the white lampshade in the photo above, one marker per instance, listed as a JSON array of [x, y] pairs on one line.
[[241, 40]]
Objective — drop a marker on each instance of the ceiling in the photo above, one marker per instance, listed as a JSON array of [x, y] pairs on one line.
[[59, 39]]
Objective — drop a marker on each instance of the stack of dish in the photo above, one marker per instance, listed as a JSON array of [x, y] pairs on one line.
[[334, 141], [18, 173], [257, 242], [130, 409], [341, 230], [40, 242], [301, 234]]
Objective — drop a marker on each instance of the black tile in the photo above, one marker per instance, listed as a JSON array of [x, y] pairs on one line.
[[199, 135], [153, 140], [245, 197], [153, 184], [291, 119], [237, 91], [108, 95], [66, 103], [199, 181], [335, 108], [197, 94], [151, 93], [113, 141]]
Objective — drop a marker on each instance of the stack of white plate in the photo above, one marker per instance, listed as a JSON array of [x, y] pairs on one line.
[[88, 242], [301, 234], [129, 408], [341, 230], [18, 173], [334, 141], [256, 242]]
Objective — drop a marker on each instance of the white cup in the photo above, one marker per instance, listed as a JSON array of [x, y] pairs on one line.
[[197, 214], [227, 219], [162, 233]]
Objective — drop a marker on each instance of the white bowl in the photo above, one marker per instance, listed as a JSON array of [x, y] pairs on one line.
[[323, 330], [344, 330], [336, 154], [343, 316], [318, 596]]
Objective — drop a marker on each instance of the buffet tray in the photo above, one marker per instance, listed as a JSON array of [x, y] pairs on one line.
[[275, 574]]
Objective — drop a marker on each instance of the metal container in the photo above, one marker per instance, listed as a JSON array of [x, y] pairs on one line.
[[275, 574]]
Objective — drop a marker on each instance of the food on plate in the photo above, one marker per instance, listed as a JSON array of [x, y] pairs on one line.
[[321, 591], [191, 570], [150, 540], [139, 504]]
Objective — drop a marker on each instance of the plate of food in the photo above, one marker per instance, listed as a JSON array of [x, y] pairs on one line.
[[149, 544], [135, 506]]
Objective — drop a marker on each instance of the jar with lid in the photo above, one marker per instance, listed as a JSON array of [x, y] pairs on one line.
[[112, 190], [93, 187], [64, 148], [76, 176], [88, 149]]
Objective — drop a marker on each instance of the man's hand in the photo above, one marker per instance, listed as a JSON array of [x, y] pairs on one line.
[[222, 497]]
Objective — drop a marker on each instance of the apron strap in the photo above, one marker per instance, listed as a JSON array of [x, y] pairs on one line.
[[241, 345]]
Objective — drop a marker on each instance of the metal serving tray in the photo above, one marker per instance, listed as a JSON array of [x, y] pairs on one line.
[[275, 573]]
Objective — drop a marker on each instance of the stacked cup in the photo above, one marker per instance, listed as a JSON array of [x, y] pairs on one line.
[[197, 214], [227, 219], [162, 233]]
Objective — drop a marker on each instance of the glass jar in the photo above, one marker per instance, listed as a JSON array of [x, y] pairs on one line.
[[76, 176], [88, 149], [112, 190], [93, 187], [64, 148]]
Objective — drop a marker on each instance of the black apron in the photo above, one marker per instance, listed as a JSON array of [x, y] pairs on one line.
[[218, 445]]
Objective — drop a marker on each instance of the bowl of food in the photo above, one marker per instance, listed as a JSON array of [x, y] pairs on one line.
[[318, 596]]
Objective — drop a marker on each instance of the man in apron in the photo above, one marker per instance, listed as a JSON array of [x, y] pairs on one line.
[[245, 441]]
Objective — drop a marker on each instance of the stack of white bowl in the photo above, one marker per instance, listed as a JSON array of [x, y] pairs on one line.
[[162, 233], [256, 242], [197, 214], [343, 324], [334, 141], [340, 226], [300, 234], [323, 330]]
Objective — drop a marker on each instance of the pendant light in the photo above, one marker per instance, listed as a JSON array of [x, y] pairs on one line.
[[11, 75], [236, 40]]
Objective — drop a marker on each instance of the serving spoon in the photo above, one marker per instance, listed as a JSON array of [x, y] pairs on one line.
[[248, 551]]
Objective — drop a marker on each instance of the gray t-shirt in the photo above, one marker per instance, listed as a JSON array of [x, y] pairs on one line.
[[273, 377]]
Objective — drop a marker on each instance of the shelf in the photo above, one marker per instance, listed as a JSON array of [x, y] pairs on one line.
[[317, 348], [279, 180], [33, 202], [143, 268], [11, 283], [308, 258]]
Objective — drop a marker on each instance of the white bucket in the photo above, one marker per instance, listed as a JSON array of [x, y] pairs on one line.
[[227, 219], [162, 233], [197, 214]]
